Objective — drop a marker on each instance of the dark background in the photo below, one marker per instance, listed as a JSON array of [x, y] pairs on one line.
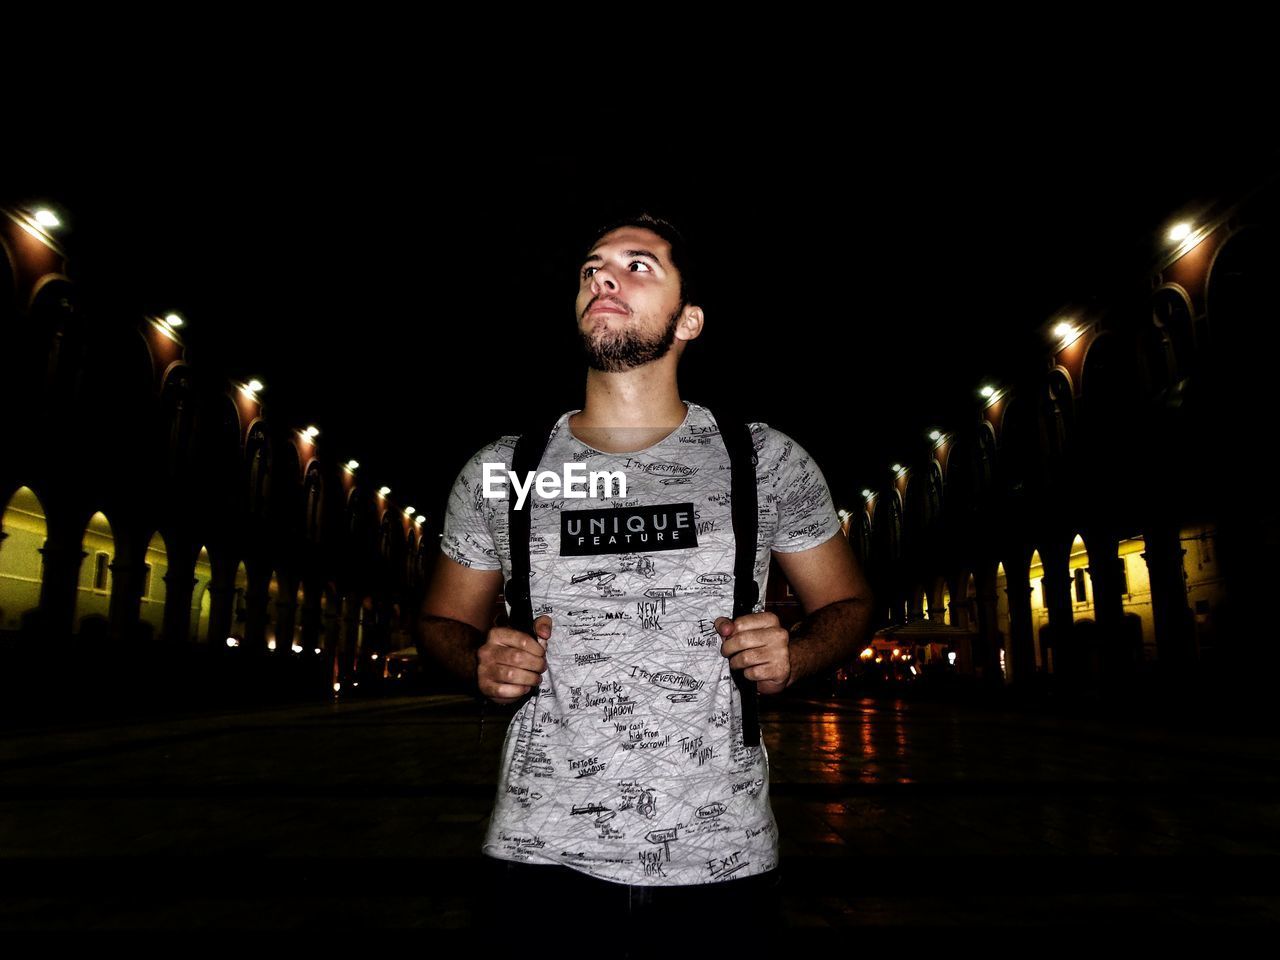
[[415, 301]]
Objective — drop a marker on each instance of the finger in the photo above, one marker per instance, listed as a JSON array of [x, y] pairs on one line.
[[542, 626], [756, 621], [507, 693], [724, 626], [511, 657], [500, 674], [507, 637]]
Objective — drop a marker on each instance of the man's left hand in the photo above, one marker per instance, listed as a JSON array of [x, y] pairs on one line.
[[758, 644]]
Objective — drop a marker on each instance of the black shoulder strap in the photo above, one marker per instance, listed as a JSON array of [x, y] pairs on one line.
[[746, 591], [527, 456]]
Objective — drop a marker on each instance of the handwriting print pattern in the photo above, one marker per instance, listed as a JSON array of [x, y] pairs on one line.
[[628, 763]]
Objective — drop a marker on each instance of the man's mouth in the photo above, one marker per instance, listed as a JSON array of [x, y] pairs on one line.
[[604, 306]]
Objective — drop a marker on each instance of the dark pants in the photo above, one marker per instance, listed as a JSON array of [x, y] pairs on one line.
[[552, 899]]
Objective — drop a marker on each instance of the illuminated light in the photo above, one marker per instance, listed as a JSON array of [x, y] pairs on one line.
[[896, 468], [866, 494], [867, 654], [337, 687], [317, 651], [173, 320], [383, 491], [296, 648], [935, 435], [1179, 232], [895, 651], [409, 511], [356, 683], [987, 390], [353, 464], [913, 671], [419, 519], [255, 385], [374, 657], [271, 644], [311, 433], [879, 659], [951, 657], [843, 515], [47, 218], [232, 642], [1063, 330]]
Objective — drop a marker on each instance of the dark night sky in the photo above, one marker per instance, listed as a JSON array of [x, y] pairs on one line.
[[412, 300]]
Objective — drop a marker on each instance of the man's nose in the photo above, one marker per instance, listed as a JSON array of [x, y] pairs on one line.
[[602, 280]]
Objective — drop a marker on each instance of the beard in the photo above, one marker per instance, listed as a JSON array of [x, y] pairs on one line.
[[618, 352]]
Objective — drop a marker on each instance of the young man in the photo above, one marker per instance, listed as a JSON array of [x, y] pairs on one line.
[[625, 782]]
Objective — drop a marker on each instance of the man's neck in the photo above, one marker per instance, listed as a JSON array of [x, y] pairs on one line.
[[630, 411]]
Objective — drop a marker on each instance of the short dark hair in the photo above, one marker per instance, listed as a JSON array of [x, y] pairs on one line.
[[682, 255]]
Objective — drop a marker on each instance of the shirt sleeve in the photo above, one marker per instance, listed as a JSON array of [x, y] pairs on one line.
[[467, 535], [806, 514]]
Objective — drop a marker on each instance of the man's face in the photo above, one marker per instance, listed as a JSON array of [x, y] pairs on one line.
[[628, 303]]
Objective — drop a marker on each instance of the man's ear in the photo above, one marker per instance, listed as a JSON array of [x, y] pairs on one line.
[[690, 325]]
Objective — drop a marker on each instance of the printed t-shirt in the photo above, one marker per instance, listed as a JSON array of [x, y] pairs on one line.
[[627, 762]]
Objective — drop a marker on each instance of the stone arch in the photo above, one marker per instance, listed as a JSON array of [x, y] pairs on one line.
[[313, 504], [201, 599], [177, 424], [24, 529], [154, 588], [258, 461], [1171, 312], [1057, 421], [93, 592]]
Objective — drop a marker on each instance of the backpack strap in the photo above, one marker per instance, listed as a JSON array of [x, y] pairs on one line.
[[746, 591], [527, 456]]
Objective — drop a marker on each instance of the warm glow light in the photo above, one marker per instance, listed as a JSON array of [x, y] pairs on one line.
[[866, 494], [353, 464], [317, 651], [935, 435], [868, 653], [383, 491], [47, 218], [255, 385], [374, 657], [271, 644], [232, 642], [951, 657], [337, 687], [1180, 232], [173, 320], [296, 648], [311, 433], [897, 468], [419, 519], [409, 511], [1063, 330], [913, 671], [987, 390], [895, 651]]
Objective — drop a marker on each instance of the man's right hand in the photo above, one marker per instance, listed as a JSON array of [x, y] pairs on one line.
[[511, 662]]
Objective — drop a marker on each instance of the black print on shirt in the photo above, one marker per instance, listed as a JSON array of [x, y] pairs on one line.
[[668, 526]]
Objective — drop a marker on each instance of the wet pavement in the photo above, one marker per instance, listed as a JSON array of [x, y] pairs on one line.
[[369, 815]]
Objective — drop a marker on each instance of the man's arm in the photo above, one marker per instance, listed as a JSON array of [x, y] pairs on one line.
[[837, 600], [499, 663], [456, 615]]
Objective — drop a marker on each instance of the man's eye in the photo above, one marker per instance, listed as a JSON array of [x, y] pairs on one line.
[[586, 272], [642, 263]]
